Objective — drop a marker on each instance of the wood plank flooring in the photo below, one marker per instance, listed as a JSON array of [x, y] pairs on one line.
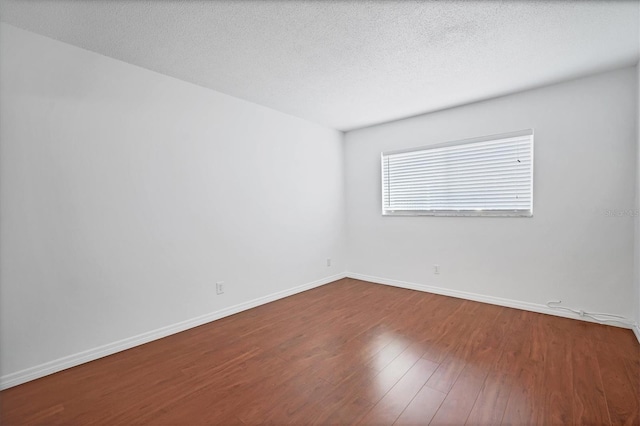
[[354, 352]]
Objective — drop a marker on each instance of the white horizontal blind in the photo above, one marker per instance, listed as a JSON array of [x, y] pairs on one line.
[[484, 176]]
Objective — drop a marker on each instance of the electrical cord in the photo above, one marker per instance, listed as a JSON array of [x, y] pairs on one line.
[[597, 316]]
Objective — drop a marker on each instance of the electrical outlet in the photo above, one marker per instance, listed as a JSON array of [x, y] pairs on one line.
[[436, 269], [328, 262], [220, 287]]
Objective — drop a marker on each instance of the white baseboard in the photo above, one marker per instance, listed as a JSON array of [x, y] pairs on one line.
[[636, 331], [60, 364], [510, 303]]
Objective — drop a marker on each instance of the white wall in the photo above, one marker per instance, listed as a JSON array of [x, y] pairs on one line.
[[126, 194], [585, 136], [637, 218]]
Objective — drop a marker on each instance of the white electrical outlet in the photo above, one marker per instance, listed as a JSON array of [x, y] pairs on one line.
[[328, 262], [436, 269], [220, 287]]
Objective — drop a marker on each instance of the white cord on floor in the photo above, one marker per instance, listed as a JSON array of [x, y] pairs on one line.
[[597, 316]]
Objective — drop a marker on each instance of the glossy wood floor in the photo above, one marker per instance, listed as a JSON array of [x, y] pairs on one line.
[[354, 352]]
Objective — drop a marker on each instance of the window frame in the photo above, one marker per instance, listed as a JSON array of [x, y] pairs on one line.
[[461, 213]]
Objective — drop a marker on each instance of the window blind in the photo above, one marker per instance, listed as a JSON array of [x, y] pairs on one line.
[[482, 176]]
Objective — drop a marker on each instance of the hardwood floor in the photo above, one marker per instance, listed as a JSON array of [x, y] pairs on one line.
[[354, 352]]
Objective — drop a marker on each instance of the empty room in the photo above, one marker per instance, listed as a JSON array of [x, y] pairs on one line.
[[366, 212]]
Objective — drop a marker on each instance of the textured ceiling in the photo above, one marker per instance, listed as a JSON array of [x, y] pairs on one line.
[[348, 64]]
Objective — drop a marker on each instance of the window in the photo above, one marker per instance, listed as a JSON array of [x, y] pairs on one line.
[[488, 176]]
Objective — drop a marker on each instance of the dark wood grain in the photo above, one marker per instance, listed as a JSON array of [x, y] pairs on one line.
[[558, 377], [354, 352], [456, 407], [492, 400]]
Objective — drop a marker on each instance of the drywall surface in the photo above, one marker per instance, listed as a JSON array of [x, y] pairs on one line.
[[577, 247], [125, 195], [636, 257]]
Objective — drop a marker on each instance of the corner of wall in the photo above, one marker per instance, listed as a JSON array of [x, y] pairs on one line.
[[636, 245]]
